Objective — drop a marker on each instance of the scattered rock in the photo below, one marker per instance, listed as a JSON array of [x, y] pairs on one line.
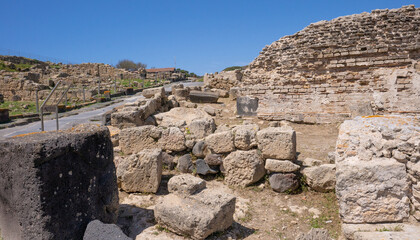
[[331, 157], [280, 166], [320, 178], [185, 164], [203, 168], [310, 162], [141, 172], [185, 184], [200, 128], [199, 149], [214, 159], [136, 139], [172, 139], [150, 92], [197, 215], [281, 182], [245, 136], [210, 110], [220, 142], [277, 143], [96, 230], [242, 168], [168, 160]]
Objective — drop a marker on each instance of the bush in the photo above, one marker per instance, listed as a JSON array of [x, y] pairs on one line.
[[128, 64], [233, 68]]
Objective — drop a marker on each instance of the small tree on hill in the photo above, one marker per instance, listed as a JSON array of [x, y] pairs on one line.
[[128, 64]]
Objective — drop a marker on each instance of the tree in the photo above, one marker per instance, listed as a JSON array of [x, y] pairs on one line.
[[128, 64]]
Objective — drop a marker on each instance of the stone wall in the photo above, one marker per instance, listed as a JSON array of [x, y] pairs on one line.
[[53, 184], [325, 72], [378, 169]]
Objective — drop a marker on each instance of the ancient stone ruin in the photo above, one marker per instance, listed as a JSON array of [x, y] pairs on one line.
[[335, 70], [215, 161]]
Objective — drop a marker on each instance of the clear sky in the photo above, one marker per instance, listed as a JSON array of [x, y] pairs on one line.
[[203, 35]]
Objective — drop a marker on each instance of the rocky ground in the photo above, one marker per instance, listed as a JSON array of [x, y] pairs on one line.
[[260, 212]]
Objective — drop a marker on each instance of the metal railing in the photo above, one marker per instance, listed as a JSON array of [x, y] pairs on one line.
[[41, 109]]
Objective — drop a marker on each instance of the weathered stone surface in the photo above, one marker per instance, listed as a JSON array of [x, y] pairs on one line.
[[133, 140], [373, 160], [277, 143], [302, 81], [199, 149], [172, 139], [200, 128], [185, 164], [185, 184], [245, 136], [150, 92], [180, 117], [168, 160], [220, 142], [203, 168], [385, 231], [315, 234], [197, 215], [281, 166], [210, 110], [53, 184], [281, 182], [214, 159], [246, 106], [97, 230], [180, 94], [141, 172], [242, 168], [320, 178], [310, 162], [203, 97]]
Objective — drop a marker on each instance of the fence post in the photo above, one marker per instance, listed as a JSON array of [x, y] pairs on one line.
[[36, 101], [84, 100]]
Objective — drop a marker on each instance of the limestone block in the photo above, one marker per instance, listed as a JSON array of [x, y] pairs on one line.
[[141, 172], [280, 166], [172, 139], [277, 143], [197, 215], [320, 178], [136, 139], [220, 142], [185, 184], [242, 168], [245, 136]]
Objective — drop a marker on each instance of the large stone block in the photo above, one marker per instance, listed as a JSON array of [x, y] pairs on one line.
[[277, 143], [374, 160], [197, 215], [242, 168], [141, 172], [245, 136], [246, 106], [320, 178], [53, 184], [136, 139], [221, 142], [203, 97]]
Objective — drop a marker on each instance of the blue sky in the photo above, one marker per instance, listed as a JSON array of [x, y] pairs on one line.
[[203, 35]]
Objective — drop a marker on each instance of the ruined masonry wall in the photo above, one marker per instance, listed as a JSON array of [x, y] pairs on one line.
[[330, 69]]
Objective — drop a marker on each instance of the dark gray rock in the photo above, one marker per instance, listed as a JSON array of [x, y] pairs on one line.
[[53, 184], [203, 97], [96, 230], [203, 168], [214, 159], [280, 182], [1, 98], [168, 160], [4, 115], [199, 149], [185, 164], [247, 106]]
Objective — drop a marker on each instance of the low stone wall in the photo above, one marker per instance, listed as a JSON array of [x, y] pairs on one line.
[[378, 169], [53, 184]]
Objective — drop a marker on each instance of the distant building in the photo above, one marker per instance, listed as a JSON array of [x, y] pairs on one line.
[[161, 73]]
